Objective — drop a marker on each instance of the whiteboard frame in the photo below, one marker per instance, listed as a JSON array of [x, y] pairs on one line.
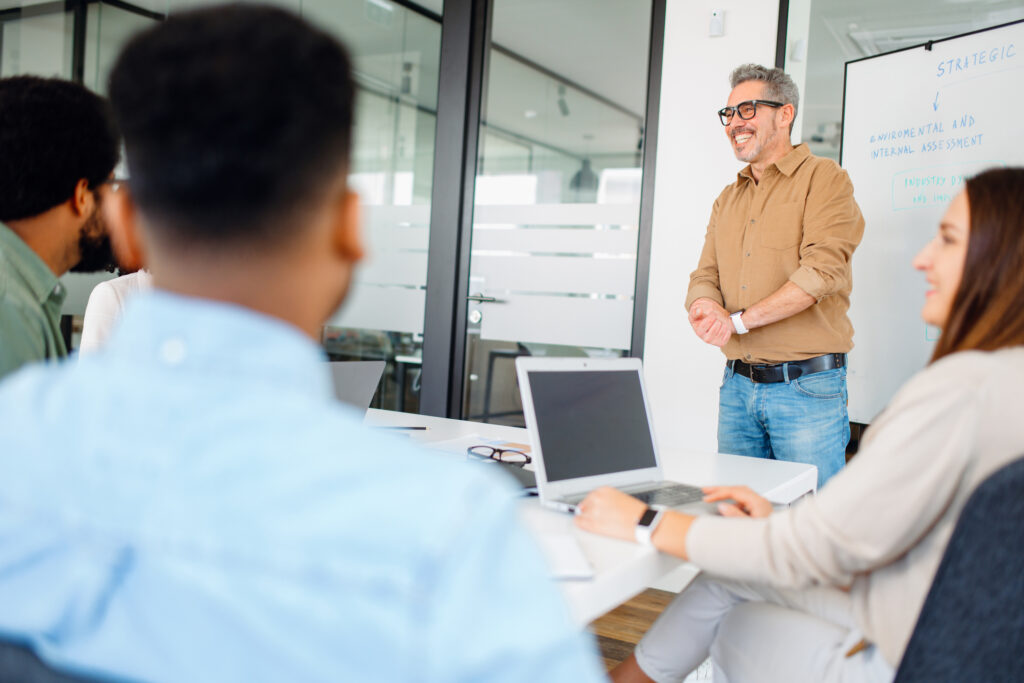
[[927, 45]]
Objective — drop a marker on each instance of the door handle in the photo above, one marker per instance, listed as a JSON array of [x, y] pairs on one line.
[[480, 298]]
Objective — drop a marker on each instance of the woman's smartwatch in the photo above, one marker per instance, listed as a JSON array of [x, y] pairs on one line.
[[648, 523]]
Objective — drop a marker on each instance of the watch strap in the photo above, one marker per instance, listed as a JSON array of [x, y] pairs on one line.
[[737, 321], [649, 521]]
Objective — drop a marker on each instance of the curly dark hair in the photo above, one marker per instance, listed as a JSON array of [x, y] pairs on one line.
[[53, 133], [235, 118]]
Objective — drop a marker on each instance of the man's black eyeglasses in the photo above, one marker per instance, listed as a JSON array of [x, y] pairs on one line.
[[747, 110], [506, 455]]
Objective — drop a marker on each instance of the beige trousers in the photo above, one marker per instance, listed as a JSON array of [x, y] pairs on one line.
[[758, 634]]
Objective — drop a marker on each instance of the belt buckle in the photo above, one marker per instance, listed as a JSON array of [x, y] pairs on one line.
[[758, 374]]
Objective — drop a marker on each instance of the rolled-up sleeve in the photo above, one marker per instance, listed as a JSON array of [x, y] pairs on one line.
[[833, 227]]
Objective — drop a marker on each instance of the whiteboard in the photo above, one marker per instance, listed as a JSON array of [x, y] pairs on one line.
[[915, 123]]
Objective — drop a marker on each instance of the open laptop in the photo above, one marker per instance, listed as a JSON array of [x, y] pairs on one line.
[[590, 426], [355, 381]]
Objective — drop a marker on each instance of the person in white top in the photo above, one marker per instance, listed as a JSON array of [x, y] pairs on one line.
[[106, 302], [830, 589]]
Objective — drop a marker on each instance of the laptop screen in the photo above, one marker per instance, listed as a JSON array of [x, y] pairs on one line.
[[591, 422]]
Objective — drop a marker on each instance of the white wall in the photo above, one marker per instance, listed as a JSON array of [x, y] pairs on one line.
[[694, 163]]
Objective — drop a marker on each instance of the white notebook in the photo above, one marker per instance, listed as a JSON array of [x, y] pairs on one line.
[[565, 556]]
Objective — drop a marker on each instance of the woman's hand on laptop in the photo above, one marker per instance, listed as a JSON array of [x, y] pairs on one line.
[[745, 503], [610, 512]]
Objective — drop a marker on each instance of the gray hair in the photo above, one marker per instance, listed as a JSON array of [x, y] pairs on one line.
[[778, 85]]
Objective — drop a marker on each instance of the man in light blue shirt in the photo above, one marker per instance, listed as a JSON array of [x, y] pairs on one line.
[[189, 504]]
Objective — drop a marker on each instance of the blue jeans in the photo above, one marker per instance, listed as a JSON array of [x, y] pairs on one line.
[[800, 420]]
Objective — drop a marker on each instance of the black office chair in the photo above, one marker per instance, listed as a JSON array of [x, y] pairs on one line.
[[971, 627], [19, 664]]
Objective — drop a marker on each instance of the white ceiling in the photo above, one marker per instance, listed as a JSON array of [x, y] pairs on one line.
[[599, 44]]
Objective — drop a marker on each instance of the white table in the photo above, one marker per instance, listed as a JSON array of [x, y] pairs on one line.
[[621, 569]]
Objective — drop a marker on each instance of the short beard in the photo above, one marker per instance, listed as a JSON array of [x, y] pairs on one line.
[[759, 147], [97, 253]]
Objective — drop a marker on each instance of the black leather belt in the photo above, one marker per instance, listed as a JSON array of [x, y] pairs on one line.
[[776, 372]]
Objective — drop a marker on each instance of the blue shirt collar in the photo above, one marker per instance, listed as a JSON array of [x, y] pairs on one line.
[[213, 337]]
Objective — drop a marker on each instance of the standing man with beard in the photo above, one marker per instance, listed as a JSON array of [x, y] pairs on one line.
[[773, 284], [58, 148]]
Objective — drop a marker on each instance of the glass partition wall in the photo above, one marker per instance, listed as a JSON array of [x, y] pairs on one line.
[[557, 194], [395, 52], [556, 206], [36, 38]]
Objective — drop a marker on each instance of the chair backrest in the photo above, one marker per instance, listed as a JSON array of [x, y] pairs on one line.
[[971, 627], [19, 664]]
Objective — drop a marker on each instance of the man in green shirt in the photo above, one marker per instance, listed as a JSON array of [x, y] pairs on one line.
[[58, 149]]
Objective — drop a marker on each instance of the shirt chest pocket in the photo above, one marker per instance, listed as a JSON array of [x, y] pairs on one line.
[[781, 226]]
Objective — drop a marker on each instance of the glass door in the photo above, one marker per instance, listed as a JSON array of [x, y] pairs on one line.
[[396, 50], [557, 192]]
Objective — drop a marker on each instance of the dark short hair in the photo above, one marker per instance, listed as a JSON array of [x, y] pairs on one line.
[[987, 312], [53, 133], [235, 118]]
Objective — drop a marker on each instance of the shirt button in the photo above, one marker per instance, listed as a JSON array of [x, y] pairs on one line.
[[748, 253], [743, 286], [748, 356], [752, 220], [57, 289], [172, 351]]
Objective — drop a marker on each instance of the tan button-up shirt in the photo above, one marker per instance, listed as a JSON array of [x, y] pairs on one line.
[[801, 224]]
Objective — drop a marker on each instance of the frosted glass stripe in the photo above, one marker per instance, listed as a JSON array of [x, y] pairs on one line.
[[379, 237], [555, 274], [382, 308], [393, 268], [396, 246], [557, 214], [555, 240], [415, 214], [602, 323]]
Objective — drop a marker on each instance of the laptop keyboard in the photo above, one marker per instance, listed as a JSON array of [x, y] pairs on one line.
[[670, 496]]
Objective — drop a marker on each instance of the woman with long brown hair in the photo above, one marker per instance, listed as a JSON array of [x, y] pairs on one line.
[[830, 589]]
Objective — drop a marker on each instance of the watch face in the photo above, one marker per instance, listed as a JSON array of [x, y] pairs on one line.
[[647, 517]]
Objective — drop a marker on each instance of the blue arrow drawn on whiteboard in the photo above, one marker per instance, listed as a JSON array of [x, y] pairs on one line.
[[935, 104]]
